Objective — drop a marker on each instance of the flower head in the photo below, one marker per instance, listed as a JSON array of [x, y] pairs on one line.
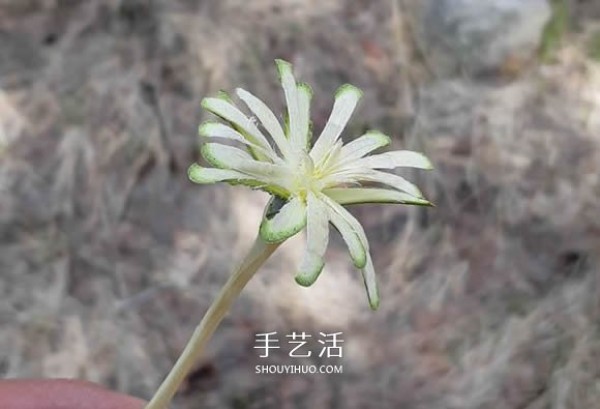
[[310, 181]]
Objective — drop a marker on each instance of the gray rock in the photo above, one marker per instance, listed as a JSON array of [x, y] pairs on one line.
[[479, 37], [21, 59]]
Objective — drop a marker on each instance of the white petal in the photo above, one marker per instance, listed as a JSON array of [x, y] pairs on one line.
[[332, 158], [225, 156], [290, 89], [358, 195], [346, 99], [363, 145], [229, 112], [268, 119], [304, 97], [369, 175], [199, 174], [229, 157], [366, 264], [288, 220], [395, 181], [370, 281], [395, 159], [219, 130], [351, 231], [317, 238]]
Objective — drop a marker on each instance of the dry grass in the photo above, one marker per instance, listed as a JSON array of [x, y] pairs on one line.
[[109, 256]]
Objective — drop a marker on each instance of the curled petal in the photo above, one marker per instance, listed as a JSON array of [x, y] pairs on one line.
[[370, 280], [283, 221], [317, 238], [351, 231], [366, 263]]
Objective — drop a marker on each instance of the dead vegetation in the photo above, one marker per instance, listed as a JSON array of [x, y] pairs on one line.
[[109, 256]]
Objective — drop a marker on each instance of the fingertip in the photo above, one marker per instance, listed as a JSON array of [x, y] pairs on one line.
[[63, 394]]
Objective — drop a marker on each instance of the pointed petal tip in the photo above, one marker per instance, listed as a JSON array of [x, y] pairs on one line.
[[351, 196], [416, 192], [420, 202]]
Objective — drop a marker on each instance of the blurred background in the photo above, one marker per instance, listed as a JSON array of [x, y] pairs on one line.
[[109, 256]]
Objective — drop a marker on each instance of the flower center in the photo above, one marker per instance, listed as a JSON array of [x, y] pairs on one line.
[[306, 177]]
